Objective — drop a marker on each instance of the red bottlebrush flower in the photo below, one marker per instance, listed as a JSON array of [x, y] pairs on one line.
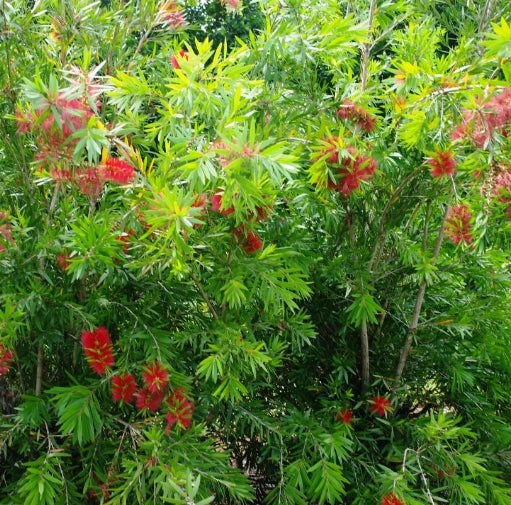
[[98, 349], [253, 243], [391, 499], [330, 150], [125, 239], [155, 377], [145, 400], [380, 405], [180, 410], [6, 358], [250, 242], [357, 114], [480, 125], [63, 261], [24, 122], [116, 170], [442, 163], [216, 205], [354, 169], [62, 175], [174, 59], [457, 224], [123, 388], [345, 416], [89, 182], [2, 248], [171, 14]]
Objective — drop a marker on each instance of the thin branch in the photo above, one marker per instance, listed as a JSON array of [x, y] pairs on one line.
[[364, 344], [39, 370], [366, 48], [204, 296], [412, 328]]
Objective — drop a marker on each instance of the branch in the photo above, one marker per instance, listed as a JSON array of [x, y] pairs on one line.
[[366, 48], [412, 328], [364, 344], [204, 296]]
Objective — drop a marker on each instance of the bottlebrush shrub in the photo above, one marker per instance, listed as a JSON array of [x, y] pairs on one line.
[[304, 314]]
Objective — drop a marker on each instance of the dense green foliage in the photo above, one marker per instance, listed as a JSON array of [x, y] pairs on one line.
[[314, 247]]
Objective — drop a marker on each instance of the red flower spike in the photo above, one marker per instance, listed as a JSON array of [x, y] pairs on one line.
[[145, 400], [457, 224], [216, 205], [175, 62], [345, 416], [89, 182], [63, 261], [391, 499], [354, 169], [479, 126], [6, 358], [380, 405], [442, 163], [98, 349], [123, 388], [116, 170], [357, 114], [180, 410], [155, 377], [125, 240]]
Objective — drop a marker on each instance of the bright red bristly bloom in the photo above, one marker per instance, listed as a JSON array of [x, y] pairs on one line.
[[155, 377], [250, 242], [89, 182], [216, 205], [479, 126], [145, 400], [354, 169], [457, 224], [345, 416], [116, 170], [175, 62], [63, 261], [180, 410], [98, 349], [124, 387], [391, 499], [380, 405], [442, 163], [6, 358], [357, 114]]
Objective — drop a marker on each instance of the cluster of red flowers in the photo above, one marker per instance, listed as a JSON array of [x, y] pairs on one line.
[[357, 114], [172, 15], [441, 163], [125, 240], [174, 61], [55, 135], [351, 169], [249, 241], [457, 225], [63, 260], [5, 230], [99, 353], [378, 405], [502, 188], [6, 358], [479, 126], [391, 499], [98, 349]]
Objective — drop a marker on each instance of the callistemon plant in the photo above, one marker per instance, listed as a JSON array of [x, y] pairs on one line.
[[255, 252]]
